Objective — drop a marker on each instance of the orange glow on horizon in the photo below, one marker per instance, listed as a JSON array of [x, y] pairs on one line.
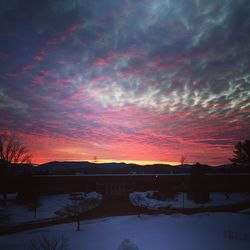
[[55, 148], [138, 162], [173, 163]]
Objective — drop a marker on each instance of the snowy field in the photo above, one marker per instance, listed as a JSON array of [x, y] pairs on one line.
[[206, 231], [48, 205], [51, 203], [144, 199]]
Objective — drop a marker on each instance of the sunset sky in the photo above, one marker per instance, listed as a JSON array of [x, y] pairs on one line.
[[126, 80]]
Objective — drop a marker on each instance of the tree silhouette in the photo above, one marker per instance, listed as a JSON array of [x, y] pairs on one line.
[[183, 158], [242, 153], [12, 151], [198, 187], [78, 205], [12, 154]]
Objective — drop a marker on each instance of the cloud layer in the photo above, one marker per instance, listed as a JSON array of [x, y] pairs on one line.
[[147, 80]]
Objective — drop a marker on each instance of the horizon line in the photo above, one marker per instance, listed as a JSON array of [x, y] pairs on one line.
[[99, 161], [138, 162]]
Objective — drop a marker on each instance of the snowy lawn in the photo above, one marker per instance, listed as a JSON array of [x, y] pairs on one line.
[[206, 231], [144, 199], [49, 204]]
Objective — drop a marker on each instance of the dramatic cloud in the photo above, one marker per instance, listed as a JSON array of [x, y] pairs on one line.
[[144, 80]]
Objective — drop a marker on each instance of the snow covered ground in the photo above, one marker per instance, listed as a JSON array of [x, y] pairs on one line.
[[49, 204], [206, 231], [143, 199]]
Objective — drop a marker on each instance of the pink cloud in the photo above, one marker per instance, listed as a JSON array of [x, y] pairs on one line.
[[139, 53], [39, 58], [74, 26], [61, 38], [25, 69], [11, 75], [101, 62], [52, 41], [43, 75]]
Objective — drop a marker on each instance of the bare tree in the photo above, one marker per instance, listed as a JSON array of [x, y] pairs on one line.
[[227, 194], [95, 160], [78, 205], [183, 158], [47, 242], [34, 205], [12, 151]]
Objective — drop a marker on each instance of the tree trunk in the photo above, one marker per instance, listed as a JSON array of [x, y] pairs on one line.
[[78, 225]]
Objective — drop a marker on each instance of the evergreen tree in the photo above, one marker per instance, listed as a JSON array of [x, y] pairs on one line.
[[242, 153]]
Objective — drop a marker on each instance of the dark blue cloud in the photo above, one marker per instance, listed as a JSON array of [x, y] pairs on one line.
[[66, 59]]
